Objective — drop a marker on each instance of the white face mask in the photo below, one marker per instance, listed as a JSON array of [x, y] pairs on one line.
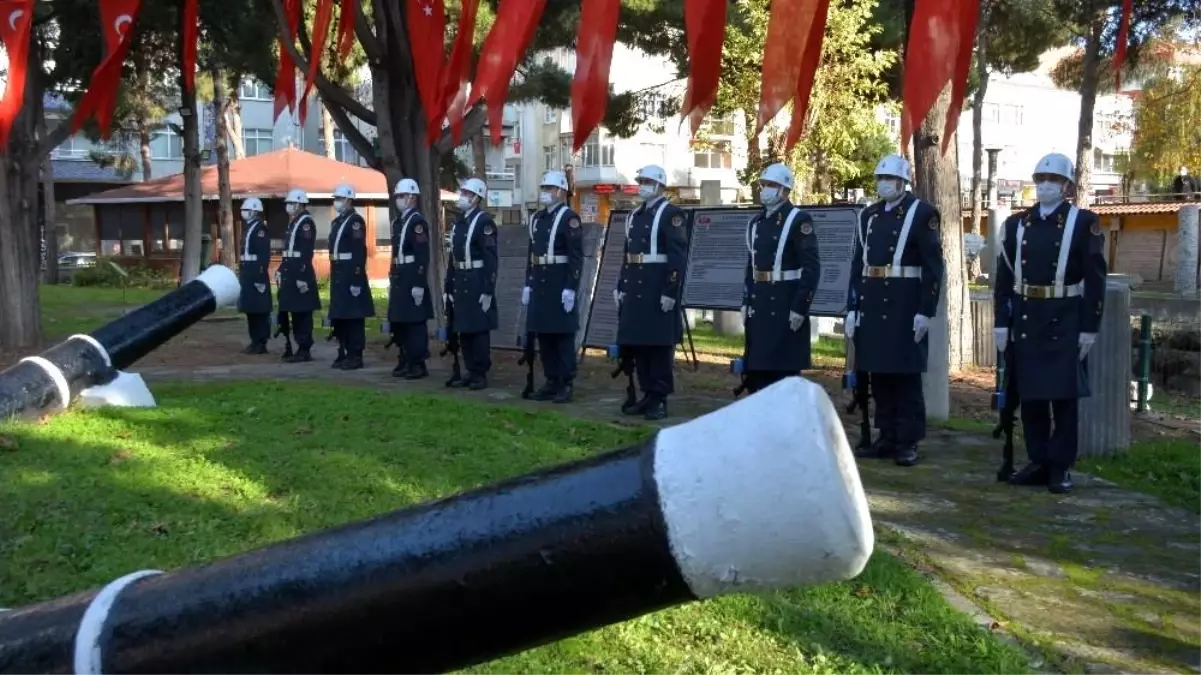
[[768, 196], [291, 208], [646, 192], [464, 203], [1048, 192], [247, 216], [888, 190], [339, 205], [546, 198]]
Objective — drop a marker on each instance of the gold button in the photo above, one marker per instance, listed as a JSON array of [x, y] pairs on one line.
[[1023, 335], [891, 249], [1023, 316], [1023, 261], [885, 316], [885, 299], [885, 283]]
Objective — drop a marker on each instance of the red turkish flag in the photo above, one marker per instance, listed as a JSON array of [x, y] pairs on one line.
[[516, 21], [969, 16], [1119, 54], [705, 24], [346, 27], [321, 22], [593, 56], [117, 19], [931, 56], [285, 79], [455, 78], [189, 37], [16, 18], [787, 34], [427, 29], [809, 62]]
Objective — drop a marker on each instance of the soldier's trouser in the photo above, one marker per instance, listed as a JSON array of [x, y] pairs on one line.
[[352, 333], [653, 364], [302, 328], [414, 339], [259, 327], [762, 379], [477, 351], [1044, 445], [557, 351], [900, 407]]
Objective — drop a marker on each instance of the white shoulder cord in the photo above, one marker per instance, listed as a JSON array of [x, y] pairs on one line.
[[91, 627]]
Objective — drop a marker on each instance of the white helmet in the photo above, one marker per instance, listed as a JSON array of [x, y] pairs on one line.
[[653, 172], [406, 186], [343, 191], [893, 166], [252, 204], [476, 187], [777, 173], [1057, 165], [554, 179], [297, 196]]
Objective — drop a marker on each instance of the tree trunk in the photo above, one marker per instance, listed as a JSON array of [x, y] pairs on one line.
[[233, 124], [479, 156], [327, 132], [936, 180], [144, 136], [977, 138], [225, 205], [754, 160], [1088, 102], [189, 266], [50, 226]]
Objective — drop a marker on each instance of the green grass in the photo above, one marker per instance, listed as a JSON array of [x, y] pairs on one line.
[[221, 468], [708, 341], [67, 310], [1169, 469]]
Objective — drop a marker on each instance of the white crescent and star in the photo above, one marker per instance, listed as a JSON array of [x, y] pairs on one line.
[[14, 17], [119, 24]]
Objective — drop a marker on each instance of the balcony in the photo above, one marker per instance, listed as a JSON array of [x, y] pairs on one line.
[[501, 180], [592, 175]]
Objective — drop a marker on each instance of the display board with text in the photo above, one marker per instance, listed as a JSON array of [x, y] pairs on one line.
[[602, 316]]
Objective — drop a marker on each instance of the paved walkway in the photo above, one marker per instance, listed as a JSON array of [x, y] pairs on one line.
[[1102, 580]]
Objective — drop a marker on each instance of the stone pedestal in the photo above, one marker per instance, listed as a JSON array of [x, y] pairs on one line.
[[1105, 416], [728, 323], [1185, 274]]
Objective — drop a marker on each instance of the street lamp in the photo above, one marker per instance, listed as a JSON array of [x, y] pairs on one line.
[[992, 175]]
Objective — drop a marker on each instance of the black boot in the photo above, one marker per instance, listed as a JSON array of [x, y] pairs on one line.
[[456, 382], [1059, 481], [882, 448], [546, 392], [656, 408], [341, 358], [302, 355], [564, 393], [638, 408], [906, 455], [255, 348], [477, 381], [1031, 474], [287, 352], [402, 369], [353, 362], [417, 371]]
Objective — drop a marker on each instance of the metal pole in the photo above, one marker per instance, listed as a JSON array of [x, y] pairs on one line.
[[58, 374], [745, 498], [1144, 361]]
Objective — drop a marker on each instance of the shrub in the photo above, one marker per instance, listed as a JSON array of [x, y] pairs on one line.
[[141, 275]]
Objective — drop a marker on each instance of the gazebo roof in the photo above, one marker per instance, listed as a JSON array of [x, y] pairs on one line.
[[267, 176]]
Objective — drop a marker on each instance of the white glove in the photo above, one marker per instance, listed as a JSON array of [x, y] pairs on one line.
[[418, 294], [448, 298], [1000, 337], [568, 299], [1086, 343], [666, 303], [921, 326], [745, 313], [525, 297], [794, 321], [849, 325], [276, 277], [485, 302], [618, 296], [302, 286]]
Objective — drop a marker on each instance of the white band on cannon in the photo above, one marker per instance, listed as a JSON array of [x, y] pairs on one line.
[[223, 283], [91, 627]]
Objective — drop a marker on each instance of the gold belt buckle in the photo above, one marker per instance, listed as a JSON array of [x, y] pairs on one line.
[[761, 276], [635, 258], [876, 272], [1040, 292]]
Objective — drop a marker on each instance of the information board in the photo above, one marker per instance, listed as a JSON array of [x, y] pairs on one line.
[[602, 318], [717, 257]]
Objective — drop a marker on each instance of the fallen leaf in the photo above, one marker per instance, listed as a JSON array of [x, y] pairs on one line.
[[120, 456], [8, 443], [159, 528], [302, 431]]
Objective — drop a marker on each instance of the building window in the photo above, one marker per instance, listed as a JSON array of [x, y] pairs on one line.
[[719, 126], [1104, 162], [550, 116], [258, 141], [716, 156], [597, 151], [1011, 115], [166, 144], [342, 150], [991, 113], [75, 147], [254, 90], [653, 153], [550, 158]]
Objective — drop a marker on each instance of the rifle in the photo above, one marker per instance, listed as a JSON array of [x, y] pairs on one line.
[[738, 366], [528, 356], [1006, 401], [451, 337], [283, 326], [625, 364], [860, 383]]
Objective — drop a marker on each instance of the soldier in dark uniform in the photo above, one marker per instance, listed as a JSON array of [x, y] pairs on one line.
[[296, 277], [552, 278], [782, 273], [350, 300], [471, 283], [649, 323], [896, 276], [255, 298], [1052, 273], [409, 302]]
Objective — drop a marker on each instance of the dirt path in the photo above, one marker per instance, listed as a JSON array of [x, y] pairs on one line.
[[1103, 580]]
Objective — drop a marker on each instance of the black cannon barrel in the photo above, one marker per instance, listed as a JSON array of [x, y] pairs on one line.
[[763, 493], [57, 375]]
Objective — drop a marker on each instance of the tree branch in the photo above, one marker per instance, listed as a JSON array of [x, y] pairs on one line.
[[330, 92], [352, 134], [473, 122], [372, 45]]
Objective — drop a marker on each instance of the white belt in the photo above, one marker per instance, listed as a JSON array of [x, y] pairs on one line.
[[1050, 292], [767, 276], [402, 259], [473, 265], [888, 271], [250, 258], [549, 259], [645, 258], [292, 254], [342, 256]]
